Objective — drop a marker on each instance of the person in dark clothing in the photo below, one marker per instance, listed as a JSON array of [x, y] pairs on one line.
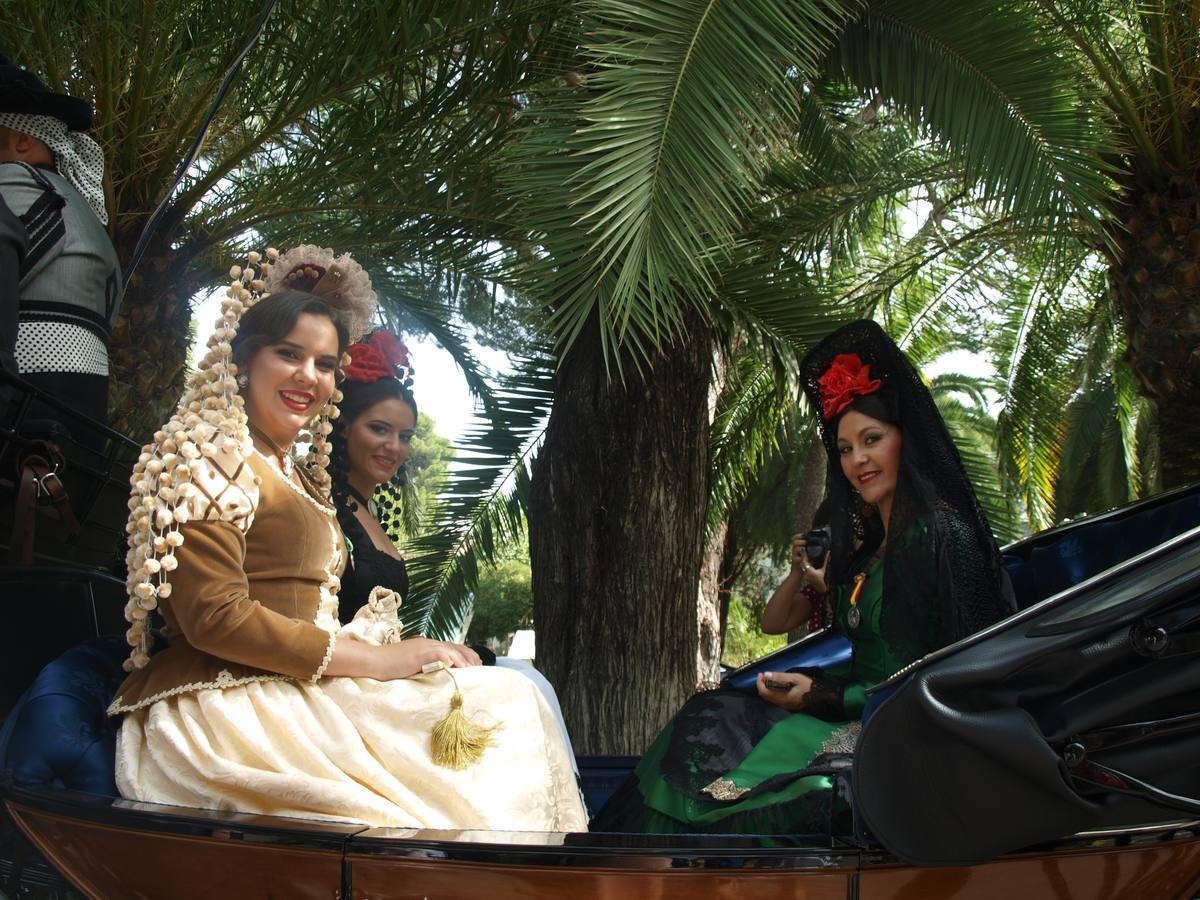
[[60, 280], [912, 567]]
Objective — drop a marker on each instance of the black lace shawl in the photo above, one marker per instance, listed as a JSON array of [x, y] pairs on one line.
[[933, 495], [368, 566]]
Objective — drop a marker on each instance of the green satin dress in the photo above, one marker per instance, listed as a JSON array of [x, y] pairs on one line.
[[726, 762]]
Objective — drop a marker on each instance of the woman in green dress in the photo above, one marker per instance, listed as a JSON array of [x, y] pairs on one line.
[[913, 566]]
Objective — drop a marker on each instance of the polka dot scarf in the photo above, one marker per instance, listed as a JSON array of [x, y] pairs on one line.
[[78, 157]]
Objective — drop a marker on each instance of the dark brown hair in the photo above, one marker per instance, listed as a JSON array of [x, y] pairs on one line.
[[272, 319], [359, 396]]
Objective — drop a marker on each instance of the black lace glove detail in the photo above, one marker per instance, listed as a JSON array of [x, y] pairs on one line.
[[825, 699]]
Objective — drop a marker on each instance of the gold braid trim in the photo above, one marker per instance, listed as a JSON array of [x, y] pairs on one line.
[[725, 789]]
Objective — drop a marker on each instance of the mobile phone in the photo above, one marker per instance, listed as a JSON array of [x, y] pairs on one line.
[[773, 685]]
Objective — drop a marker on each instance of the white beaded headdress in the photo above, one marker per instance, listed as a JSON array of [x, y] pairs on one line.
[[195, 465]]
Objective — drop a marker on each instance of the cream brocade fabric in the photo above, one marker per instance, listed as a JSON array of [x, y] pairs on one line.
[[343, 749], [354, 749]]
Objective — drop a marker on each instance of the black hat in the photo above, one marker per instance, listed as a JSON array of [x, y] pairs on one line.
[[23, 92]]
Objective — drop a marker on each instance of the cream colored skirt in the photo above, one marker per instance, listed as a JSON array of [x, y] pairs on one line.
[[355, 749]]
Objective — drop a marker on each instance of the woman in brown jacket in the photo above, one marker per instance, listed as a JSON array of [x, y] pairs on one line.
[[263, 702]]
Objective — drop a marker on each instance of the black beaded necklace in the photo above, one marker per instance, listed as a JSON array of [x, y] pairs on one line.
[[368, 504]]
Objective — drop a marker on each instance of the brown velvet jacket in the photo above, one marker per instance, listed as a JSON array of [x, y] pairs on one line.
[[253, 599]]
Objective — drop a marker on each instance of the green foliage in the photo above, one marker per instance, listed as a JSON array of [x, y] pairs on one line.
[[429, 456], [503, 599], [370, 127], [481, 509], [744, 639], [634, 186]]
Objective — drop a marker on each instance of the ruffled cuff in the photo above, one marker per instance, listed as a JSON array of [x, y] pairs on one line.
[[320, 673]]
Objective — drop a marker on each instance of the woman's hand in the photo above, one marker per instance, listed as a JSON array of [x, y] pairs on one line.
[[387, 662], [789, 607], [812, 576], [790, 697], [405, 659]]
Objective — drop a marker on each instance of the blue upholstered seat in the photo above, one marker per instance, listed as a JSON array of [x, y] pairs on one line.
[[59, 734], [827, 648]]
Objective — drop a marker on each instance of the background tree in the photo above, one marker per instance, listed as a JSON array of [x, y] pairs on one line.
[[1142, 60], [638, 187], [503, 599], [369, 126]]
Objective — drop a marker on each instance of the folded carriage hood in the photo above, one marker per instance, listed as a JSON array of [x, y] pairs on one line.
[[998, 742]]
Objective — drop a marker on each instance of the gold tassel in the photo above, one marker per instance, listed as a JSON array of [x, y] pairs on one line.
[[458, 742]]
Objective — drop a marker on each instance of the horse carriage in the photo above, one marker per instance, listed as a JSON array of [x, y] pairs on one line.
[[1055, 754]]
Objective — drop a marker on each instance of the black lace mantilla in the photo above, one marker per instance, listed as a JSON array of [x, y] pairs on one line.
[[935, 511]]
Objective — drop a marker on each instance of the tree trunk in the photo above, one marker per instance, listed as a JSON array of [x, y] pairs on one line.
[[811, 492], [710, 614], [616, 522], [1156, 282], [727, 576], [149, 353]]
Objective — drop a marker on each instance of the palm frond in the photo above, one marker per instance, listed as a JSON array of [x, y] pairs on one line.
[[481, 509], [407, 302], [972, 430], [662, 153], [994, 87]]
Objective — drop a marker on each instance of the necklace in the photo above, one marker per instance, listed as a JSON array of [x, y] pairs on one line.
[[286, 464], [369, 504], [854, 614]]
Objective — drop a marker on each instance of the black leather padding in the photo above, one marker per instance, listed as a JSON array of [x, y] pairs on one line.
[[964, 761]]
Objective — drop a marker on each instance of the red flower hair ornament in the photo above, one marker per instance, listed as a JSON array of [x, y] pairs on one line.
[[846, 378], [382, 355]]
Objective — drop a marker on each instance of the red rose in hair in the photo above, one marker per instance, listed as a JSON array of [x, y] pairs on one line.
[[390, 346], [376, 357], [846, 378]]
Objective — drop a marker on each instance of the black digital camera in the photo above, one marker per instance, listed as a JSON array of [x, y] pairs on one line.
[[817, 543]]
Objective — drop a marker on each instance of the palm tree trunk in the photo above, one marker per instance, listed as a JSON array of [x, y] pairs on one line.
[[148, 359], [616, 523], [1156, 282], [1179, 441]]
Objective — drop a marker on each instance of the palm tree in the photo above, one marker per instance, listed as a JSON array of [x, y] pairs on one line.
[[1143, 63], [637, 180], [369, 126]]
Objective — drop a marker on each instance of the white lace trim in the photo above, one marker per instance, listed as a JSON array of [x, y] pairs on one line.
[[327, 607], [327, 510], [320, 673], [223, 680]]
